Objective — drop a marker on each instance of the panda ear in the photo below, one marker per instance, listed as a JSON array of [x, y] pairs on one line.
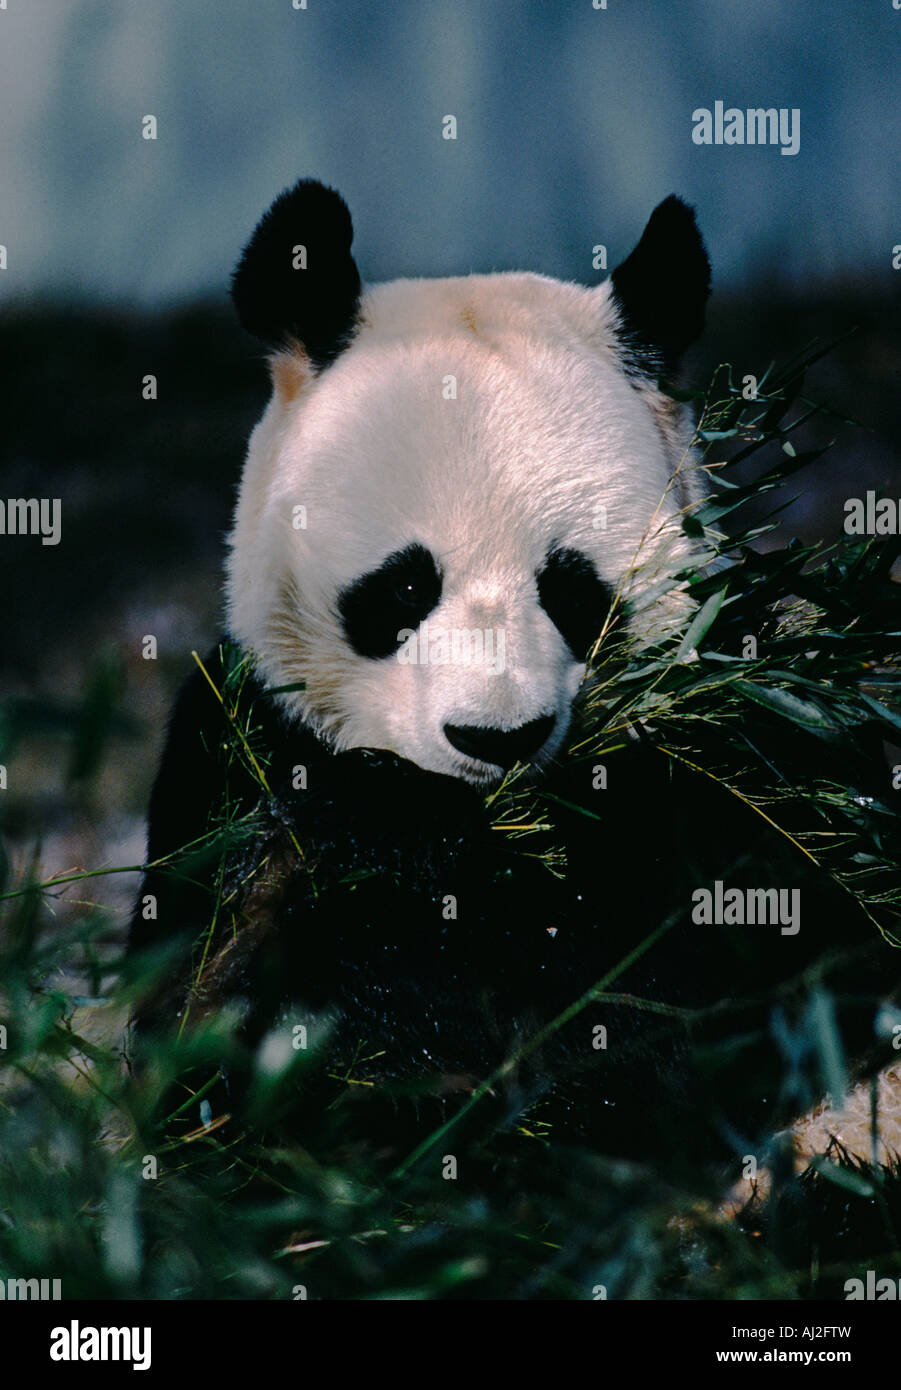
[[296, 279], [661, 289]]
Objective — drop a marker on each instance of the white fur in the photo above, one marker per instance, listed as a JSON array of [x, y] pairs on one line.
[[546, 428]]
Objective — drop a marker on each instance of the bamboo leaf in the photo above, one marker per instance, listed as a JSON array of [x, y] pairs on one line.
[[803, 712], [700, 625]]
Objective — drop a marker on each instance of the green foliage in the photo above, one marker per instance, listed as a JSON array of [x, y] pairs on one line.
[[826, 660]]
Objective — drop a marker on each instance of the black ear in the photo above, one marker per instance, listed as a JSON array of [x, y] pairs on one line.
[[661, 289], [316, 303]]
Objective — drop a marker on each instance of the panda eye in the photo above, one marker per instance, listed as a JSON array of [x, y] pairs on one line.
[[408, 591], [574, 597], [399, 594]]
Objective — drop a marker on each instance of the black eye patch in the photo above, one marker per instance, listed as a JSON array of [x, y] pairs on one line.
[[574, 597], [399, 594]]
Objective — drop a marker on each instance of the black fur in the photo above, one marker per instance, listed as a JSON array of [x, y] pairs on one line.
[[575, 598], [662, 289], [359, 933], [400, 594], [317, 306]]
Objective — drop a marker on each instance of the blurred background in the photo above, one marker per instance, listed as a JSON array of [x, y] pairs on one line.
[[572, 123]]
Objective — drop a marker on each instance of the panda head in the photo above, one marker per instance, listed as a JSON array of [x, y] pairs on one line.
[[451, 481]]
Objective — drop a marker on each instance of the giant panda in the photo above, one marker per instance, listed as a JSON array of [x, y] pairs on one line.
[[497, 455], [437, 434]]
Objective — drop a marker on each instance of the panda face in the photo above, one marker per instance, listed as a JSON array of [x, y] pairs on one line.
[[435, 517]]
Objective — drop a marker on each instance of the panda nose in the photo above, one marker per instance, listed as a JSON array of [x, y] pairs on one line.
[[504, 747]]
